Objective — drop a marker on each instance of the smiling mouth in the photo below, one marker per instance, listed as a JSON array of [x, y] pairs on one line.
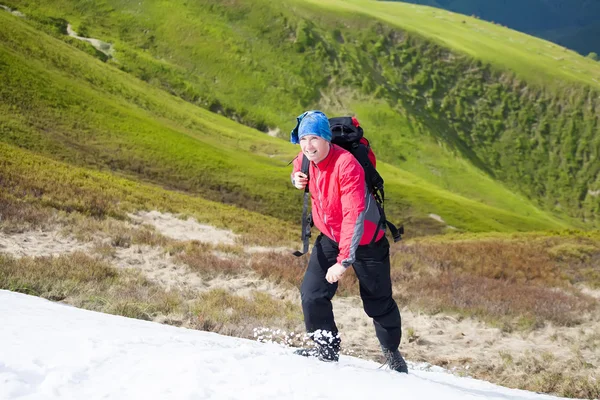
[[310, 153]]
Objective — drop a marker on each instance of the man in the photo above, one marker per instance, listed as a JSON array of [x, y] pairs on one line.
[[347, 216]]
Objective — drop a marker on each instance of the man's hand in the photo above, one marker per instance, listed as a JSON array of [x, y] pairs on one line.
[[300, 180], [334, 273]]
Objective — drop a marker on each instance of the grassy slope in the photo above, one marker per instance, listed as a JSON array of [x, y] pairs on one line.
[[63, 103], [535, 59], [206, 46], [32, 180], [201, 53]]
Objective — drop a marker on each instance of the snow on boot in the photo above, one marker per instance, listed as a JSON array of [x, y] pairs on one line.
[[310, 352], [395, 361], [329, 353], [323, 353]]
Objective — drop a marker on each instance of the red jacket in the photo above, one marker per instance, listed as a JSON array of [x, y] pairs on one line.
[[342, 207]]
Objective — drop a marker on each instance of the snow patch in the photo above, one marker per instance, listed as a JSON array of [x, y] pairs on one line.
[[91, 355]]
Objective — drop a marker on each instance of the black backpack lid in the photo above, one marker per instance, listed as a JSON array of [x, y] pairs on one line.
[[343, 131]]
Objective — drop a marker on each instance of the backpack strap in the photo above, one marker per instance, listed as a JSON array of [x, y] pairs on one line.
[[306, 216], [397, 233]]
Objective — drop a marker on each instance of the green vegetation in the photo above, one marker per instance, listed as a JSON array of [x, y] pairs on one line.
[[32, 183], [69, 107], [514, 108]]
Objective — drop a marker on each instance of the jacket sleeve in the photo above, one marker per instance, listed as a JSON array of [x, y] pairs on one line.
[[352, 196]]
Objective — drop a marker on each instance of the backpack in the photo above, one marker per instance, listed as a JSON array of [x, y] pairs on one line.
[[347, 133]]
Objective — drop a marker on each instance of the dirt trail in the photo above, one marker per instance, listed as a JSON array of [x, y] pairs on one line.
[[104, 47], [40, 244], [13, 12]]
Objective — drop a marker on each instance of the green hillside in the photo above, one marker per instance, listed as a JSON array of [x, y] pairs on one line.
[[518, 108], [64, 100], [62, 103]]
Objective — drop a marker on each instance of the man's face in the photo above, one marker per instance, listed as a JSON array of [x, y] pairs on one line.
[[314, 147]]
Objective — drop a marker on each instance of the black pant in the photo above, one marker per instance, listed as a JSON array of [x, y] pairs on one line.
[[372, 267]]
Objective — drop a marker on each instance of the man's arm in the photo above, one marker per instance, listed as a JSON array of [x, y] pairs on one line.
[[299, 180], [352, 197]]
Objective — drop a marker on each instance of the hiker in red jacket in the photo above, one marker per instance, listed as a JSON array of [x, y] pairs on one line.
[[347, 216]]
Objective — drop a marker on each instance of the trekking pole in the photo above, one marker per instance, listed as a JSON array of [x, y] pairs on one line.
[[306, 225]]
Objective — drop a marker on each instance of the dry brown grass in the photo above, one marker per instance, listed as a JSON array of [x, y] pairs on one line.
[[90, 283], [226, 313], [541, 372], [87, 282], [201, 258], [120, 232], [519, 283], [516, 282], [17, 216], [552, 261], [279, 268], [515, 305]]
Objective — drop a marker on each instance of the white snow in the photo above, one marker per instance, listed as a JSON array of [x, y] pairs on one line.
[[54, 351]]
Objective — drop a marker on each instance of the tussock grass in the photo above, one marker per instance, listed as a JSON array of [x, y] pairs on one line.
[[87, 282], [516, 282], [226, 313], [541, 372], [552, 259], [436, 275], [120, 232], [279, 268], [200, 257], [55, 278], [18, 216], [93, 284], [512, 305]]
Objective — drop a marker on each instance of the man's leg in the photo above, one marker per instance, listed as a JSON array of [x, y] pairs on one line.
[[317, 293], [372, 268]]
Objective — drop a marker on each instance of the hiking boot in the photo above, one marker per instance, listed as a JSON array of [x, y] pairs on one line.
[[395, 361], [323, 353]]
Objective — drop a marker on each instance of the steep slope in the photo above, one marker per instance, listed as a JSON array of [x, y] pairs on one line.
[[518, 109], [63, 104], [111, 356]]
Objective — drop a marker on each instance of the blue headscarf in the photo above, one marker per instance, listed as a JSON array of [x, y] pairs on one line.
[[311, 123]]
